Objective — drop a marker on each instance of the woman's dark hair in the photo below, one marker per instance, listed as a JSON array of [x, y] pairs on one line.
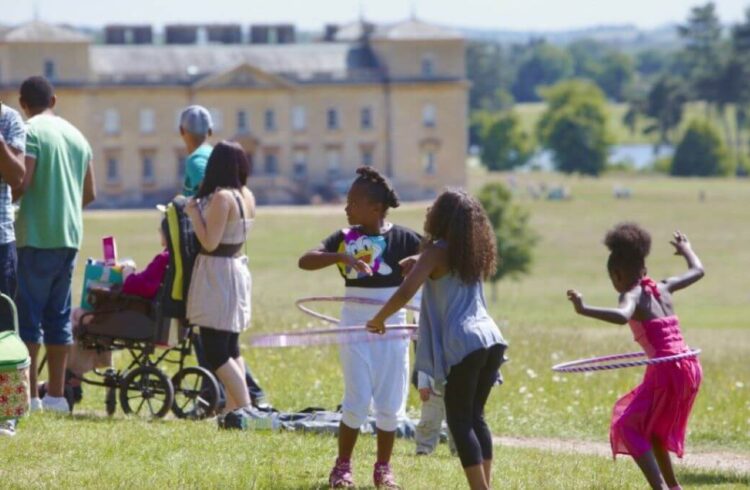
[[378, 188], [461, 221], [223, 168], [629, 245], [37, 93]]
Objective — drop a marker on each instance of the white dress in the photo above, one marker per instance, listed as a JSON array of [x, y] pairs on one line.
[[220, 287]]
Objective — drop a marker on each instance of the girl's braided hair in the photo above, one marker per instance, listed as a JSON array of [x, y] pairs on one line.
[[629, 245], [378, 187]]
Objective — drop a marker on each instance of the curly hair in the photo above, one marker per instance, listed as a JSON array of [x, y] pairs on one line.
[[377, 187], [461, 221], [629, 245]]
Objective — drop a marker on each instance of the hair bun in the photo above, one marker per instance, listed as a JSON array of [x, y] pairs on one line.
[[628, 237]]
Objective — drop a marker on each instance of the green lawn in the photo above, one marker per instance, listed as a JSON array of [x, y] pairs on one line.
[[92, 451]]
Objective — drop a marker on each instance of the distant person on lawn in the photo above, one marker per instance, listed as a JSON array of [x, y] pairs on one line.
[[57, 185]]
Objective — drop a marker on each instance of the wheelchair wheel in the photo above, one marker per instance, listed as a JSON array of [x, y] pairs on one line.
[[146, 391], [110, 402], [196, 393]]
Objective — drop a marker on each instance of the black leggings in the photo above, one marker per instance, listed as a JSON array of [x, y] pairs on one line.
[[219, 346], [466, 392]]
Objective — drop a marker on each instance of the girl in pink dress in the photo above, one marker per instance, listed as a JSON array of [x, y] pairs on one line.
[[651, 420]]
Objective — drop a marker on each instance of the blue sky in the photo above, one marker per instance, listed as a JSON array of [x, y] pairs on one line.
[[312, 14]]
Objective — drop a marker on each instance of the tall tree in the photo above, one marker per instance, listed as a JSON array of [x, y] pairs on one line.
[[701, 35], [665, 105], [543, 65], [506, 144], [574, 127], [515, 238], [701, 152]]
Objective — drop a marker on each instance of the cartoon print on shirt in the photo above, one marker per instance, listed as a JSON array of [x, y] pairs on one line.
[[368, 249]]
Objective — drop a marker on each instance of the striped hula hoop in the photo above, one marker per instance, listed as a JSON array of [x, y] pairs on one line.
[[335, 335], [592, 364]]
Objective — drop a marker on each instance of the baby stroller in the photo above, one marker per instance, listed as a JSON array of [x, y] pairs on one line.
[[140, 326]]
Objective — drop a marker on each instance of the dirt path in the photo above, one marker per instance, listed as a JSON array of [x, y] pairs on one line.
[[723, 461]]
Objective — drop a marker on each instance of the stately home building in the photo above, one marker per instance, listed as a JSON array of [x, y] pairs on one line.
[[308, 113]]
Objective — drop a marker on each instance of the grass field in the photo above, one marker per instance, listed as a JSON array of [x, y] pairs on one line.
[[93, 451]]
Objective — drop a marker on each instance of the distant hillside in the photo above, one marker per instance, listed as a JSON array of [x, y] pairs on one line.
[[623, 36]]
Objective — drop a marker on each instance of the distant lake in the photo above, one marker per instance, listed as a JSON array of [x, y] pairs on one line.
[[638, 156]]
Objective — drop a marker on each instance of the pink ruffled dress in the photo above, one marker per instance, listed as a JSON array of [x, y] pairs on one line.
[[660, 406]]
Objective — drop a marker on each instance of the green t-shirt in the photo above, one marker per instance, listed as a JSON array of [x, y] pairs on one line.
[[50, 211], [195, 169]]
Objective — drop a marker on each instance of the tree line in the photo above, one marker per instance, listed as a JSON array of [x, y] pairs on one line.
[[577, 82]]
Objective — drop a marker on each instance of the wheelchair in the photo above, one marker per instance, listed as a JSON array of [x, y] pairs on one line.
[[121, 322]]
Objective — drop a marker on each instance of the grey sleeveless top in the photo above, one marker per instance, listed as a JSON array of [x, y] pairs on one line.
[[453, 323]]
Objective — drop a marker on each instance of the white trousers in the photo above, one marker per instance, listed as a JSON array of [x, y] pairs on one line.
[[376, 371]]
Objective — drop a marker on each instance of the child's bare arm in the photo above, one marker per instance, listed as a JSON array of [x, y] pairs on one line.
[[695, 267], [619, 315], [319, 258]]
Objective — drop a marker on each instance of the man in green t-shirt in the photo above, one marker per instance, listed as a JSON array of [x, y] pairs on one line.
[[195, 128], [58, 183]]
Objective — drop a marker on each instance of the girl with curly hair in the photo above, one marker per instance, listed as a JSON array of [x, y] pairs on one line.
[[651, 420], [459, 345]]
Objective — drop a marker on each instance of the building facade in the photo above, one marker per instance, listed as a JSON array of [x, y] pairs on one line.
[[308, 114]]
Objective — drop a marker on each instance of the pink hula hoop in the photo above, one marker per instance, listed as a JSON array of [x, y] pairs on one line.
[[592, 363], [335, 335]]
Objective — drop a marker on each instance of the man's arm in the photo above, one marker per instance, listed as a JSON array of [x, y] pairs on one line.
[[12, 168], [30, 164], [89, 186]]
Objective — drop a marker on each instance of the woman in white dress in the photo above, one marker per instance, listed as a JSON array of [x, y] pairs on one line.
[[218, 302]]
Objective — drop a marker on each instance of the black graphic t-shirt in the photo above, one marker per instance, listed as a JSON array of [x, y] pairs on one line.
[[381, 252]]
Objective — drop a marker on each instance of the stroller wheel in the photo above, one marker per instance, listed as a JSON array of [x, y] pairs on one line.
[[196, 393], [146, 391]]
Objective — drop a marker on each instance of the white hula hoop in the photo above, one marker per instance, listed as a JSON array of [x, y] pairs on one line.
[[336, 335], [300, 303], [592, 363]]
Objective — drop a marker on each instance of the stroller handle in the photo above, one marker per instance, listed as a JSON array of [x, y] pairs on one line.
[[12, 307]]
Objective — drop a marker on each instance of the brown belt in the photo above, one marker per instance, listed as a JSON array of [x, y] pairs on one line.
[[224, 250]]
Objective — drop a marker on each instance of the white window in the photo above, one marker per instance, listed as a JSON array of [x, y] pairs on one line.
[[113, 168], [366, 154], [111, 121], [299, 118], [333, 159], [269, 120], [428, 65], [271, 164], [147, 120], [217, 119], [429, 116], [242, 125], [148, 173], [332, 119], [430, 162], [299, 164], [50, 73], [365, 118]]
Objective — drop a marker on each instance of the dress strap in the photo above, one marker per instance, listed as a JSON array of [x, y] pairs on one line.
[[650, 287]]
